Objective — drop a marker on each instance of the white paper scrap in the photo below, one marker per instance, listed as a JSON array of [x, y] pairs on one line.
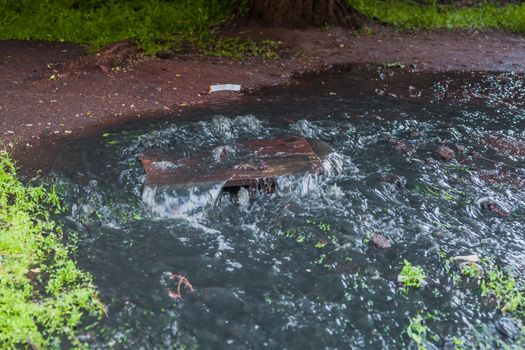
[[224, 87]]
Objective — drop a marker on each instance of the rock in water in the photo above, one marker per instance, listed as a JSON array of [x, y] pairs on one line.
[[381, 242], [445, 153], [493, 207], [516, 147], [400, 146], [508, 328], [396, 180]]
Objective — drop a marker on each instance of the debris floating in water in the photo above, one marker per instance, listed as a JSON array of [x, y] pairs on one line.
[[181, 281], [493, 207], [473, 258], [224, 87], [445, 153], [381, 242]]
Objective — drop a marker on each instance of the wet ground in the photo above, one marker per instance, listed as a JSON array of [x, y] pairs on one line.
[[52, 91], [425, 159]]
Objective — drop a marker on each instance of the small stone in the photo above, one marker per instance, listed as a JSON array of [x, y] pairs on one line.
[[165, 54], [473, 258], [508, 328], [348, 267], [493, 207], [400, 146], [445, 153], [396, 180], [496, 209], [415, 133], [381, 242], [507, 145]]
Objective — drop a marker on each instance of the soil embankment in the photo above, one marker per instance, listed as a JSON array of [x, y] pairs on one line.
[[51, 93]]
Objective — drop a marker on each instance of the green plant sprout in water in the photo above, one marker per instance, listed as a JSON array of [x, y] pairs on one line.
[[495, 282], [323, 226], [472, 270], [43, 295], [411, 276], [451, 195], [417, 331], [504, 287]]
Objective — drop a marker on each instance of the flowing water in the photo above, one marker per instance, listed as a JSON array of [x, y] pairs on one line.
[[296, 269]]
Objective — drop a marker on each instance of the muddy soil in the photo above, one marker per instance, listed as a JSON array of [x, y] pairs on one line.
[[52, 91]]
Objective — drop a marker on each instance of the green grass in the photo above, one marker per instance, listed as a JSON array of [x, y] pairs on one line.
[[43, 294], [499, 284], [411, 276], [153, 24], [417, 331], [506, 289], [409, 14], [168, 24]]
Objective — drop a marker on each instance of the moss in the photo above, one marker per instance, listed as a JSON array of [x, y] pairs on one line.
[[417, 331], [43, 294]]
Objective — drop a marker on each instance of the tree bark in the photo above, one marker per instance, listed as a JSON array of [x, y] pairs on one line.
[[304, 13]]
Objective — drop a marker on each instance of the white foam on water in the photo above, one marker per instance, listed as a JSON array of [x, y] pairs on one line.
[[164, 165], [171, 202], [333, 164], [306, 128]]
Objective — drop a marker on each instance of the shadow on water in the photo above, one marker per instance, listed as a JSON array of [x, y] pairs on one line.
[[296, 268]]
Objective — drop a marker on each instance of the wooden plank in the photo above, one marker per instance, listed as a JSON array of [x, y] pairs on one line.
[[261, 163]]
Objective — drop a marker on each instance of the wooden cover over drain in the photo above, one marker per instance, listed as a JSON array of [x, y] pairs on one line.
[[263, 161]]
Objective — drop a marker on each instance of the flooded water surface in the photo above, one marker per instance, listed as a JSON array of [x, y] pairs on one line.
[[428, 167]]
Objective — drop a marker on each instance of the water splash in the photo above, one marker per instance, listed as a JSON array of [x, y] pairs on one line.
[[166, 202]]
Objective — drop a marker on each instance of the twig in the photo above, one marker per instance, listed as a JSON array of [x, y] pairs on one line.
[[182, 280], [489, 160]]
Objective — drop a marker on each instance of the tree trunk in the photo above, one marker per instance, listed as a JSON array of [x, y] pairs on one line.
[[304, 13]]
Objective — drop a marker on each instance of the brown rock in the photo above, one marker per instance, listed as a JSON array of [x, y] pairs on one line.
[[381, 242], [400, 146], [398, 181], [348, 267], [505, 178], [493, 207], [496, 209], [445, 153], [415, 134], [507, 145]]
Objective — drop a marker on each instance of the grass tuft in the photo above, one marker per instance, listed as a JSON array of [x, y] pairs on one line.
[[43, 295], [417, 331], [506, 289], [409, 14]]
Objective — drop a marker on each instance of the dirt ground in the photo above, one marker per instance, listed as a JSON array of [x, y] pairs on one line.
[[50, 91]]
